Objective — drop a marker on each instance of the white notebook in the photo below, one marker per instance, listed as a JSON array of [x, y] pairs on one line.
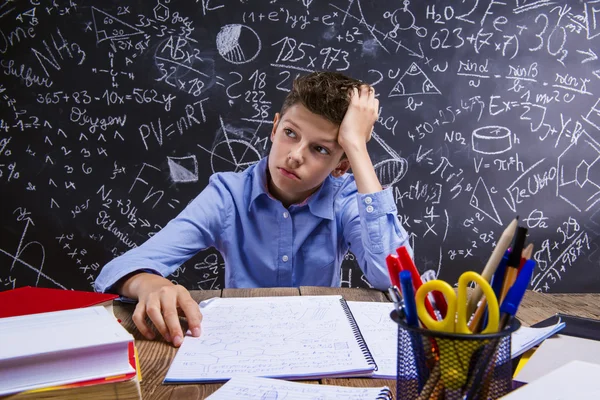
[[293, 337], [248, 387], [380, 333]]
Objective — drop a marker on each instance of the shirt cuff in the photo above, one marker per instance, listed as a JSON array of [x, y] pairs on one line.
[[373, 209], [373, 205], [106, 284]]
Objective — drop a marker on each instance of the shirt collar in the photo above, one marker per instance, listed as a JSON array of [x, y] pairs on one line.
[[319, 203]]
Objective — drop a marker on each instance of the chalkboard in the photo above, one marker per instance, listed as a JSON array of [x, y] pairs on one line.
[[113, 115]]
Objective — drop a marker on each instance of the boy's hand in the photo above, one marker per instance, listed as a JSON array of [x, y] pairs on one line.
[[162, 302], [357, 125]]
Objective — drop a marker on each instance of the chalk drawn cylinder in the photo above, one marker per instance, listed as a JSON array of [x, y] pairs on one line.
[[491, 139]]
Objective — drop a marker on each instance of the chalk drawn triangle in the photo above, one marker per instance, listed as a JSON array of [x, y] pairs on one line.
[[108, 27], [183, 169], [414, 81], [482, 201]]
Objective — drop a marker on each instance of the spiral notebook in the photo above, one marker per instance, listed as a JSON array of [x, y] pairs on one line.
[[248, 387], [380, 333], [291, 337]]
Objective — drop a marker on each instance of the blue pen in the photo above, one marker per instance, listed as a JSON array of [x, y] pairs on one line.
[[410, 309], [515, 294], [408, 294], [497, 280]]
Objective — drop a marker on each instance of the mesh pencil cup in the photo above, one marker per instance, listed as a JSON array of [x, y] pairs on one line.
[[439, 365]]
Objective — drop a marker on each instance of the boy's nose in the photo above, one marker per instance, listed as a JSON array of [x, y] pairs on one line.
[[296, 155]]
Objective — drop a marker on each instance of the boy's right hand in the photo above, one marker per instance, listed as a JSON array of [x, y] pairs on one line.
[[163, 302]]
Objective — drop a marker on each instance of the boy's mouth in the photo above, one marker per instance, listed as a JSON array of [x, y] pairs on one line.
[[288, 174]]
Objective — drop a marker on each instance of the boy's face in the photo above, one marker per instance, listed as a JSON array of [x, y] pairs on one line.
[[305, 151]]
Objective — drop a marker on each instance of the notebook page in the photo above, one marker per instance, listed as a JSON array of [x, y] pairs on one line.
[[526, 337], [270, 389], [290, 336], [380, 333]]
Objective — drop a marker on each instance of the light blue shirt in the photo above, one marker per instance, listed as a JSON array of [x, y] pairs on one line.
[[265, 244]]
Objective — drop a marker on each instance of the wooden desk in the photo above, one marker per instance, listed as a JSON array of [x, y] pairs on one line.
[[156, 355]]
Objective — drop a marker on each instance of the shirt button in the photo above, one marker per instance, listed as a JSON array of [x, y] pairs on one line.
[[369, 209], [285, 258], [285, 214], [368, 200]]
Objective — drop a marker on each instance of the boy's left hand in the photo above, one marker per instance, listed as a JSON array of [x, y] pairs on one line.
[[357, 125]]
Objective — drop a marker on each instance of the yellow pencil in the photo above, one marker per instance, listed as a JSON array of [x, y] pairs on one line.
[[492, 264]]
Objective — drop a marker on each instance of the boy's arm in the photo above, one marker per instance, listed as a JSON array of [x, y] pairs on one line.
[[370, 218], [372, 230], [140, 273], [355, 132]]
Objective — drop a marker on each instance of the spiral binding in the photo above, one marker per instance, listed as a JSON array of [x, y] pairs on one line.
[[385, 394], [359, 337]]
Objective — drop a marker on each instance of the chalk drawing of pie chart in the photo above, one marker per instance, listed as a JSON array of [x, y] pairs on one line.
[[238, 44]]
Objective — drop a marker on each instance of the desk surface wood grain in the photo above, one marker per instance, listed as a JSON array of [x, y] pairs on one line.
[[156, 356]]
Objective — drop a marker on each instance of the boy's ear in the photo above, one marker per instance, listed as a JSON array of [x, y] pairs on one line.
[[275, 123], [342, 167]]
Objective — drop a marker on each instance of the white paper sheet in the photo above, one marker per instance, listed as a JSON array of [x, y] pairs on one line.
[[250, 388]]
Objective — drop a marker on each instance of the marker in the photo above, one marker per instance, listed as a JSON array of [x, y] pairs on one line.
[[408, 295]]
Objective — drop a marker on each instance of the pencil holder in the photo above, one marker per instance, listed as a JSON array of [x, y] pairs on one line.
[[439, 365]]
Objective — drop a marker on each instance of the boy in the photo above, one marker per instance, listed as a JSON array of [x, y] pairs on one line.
[[286, 221]]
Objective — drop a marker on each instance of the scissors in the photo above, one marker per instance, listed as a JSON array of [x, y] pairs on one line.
[[455, 355]]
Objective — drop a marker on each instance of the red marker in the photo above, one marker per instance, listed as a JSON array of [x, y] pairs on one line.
[[393, 264]]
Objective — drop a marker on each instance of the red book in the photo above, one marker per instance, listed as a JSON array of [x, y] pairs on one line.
[[33, 300]]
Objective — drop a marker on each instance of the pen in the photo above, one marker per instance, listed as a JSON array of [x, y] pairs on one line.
[[412, 319], [492, 264], [408, 296], [515, 294], [514, 261], [406, 264], [393, 291]]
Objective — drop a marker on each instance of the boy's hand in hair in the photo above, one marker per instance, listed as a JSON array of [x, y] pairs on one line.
[[355, 132], [356, 128]]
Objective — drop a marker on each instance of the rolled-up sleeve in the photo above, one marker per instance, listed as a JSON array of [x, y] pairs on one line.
[[197, 227], [372, 230]]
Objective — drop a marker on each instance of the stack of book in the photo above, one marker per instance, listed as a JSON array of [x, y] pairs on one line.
[[78, 353]]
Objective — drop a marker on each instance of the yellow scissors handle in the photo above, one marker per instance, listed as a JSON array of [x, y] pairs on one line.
[[446, 324], [493, 319]]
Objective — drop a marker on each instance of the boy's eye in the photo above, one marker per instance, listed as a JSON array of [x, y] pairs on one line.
[[289, 133], [322, 150]]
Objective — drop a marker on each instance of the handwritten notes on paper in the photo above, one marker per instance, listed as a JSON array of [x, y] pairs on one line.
[[289, 337], [271, 389], [380, 334]]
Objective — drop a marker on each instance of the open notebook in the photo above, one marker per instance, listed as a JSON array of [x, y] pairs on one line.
[[294, 337], [248, 387], [380, 333]]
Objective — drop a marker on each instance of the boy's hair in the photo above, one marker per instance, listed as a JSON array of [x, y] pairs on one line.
[[323, 93]]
